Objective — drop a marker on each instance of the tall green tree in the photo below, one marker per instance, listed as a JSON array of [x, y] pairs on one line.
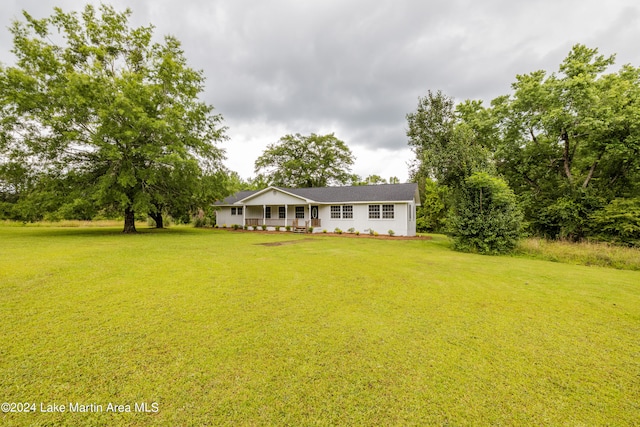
[[570, 141], [446, 149], [306, 161], [93, 97], [453, 147]]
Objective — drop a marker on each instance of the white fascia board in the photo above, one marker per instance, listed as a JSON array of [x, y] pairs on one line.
[[369, 202]]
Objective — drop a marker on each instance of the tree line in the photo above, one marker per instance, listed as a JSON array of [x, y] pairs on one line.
[[567, 145], [106, 122]]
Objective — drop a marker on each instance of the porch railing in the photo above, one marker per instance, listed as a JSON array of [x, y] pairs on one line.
[[271, 222]]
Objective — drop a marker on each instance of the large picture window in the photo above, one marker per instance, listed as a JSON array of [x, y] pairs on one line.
[[344, 212], [388, 211]]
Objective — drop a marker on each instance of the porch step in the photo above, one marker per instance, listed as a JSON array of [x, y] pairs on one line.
[[299, 229]]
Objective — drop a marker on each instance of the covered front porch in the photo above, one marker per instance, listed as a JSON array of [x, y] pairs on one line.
[[281, 216]]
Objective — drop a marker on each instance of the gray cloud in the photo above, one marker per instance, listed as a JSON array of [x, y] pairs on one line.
[[358, 67]]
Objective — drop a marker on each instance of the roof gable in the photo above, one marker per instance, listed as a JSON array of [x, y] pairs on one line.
[[273, 195]]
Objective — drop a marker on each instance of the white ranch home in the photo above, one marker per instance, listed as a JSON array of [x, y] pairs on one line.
[[367, 208]]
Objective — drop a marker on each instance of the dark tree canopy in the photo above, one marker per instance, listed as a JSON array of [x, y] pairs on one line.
[[97, 107], [567, 143], [306, 161]]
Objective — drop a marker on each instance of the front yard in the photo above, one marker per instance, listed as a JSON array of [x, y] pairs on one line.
[[190, 326]]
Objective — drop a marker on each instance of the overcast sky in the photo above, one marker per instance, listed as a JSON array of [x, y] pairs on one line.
[[357, 67]]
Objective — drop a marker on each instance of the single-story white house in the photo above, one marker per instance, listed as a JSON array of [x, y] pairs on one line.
[[367, 208]]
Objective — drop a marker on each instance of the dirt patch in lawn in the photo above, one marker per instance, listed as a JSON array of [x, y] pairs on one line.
[[286, 242]]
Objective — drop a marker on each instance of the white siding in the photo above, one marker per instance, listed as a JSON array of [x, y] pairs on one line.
[[274, 197], [361, 222], [224, 217]]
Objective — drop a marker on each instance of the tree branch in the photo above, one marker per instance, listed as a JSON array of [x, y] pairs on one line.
[[592, 170]]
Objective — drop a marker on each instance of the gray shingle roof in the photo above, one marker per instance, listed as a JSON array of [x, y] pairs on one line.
[[358, 193], [235, 197]]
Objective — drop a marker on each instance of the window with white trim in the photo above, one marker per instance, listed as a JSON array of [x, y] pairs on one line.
[[281, 212], [299, 212], [267, 212], [240, 211], [233, 211], [335, 212], [374, 211], [388, 211], [347, 212]]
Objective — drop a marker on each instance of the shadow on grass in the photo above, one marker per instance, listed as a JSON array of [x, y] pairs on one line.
[[53, 231]]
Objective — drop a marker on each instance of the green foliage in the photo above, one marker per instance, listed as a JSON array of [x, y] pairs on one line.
[[485, 218], [337, 230], [391, 233], [201, 221], [305, 161], [566, 217], [446, 149], [431, 215], [588, 253], [287, 228], [618, 222], [94, 105], [373, 180], [569, 142]]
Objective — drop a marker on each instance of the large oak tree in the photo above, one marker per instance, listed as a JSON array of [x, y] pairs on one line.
[[94, 99]]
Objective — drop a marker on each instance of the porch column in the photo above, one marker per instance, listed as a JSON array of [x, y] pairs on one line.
[[244, 218], [264, 214], [286, 208]]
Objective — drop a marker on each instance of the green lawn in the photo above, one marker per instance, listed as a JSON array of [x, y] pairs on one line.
[[217, 329]]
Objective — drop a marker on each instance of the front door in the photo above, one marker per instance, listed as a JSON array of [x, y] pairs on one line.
[[315, 220]]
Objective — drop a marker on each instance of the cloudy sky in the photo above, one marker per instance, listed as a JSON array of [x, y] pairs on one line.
[[357, 67]]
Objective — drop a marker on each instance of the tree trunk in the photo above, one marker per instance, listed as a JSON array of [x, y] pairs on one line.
[[566, 156], [157, 217], [129, 221]]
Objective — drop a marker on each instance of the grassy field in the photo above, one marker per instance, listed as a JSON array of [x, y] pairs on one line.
[[216, 328], [584, 253]]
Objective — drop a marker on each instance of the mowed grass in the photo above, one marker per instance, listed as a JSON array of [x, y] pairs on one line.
[[221, 330]]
